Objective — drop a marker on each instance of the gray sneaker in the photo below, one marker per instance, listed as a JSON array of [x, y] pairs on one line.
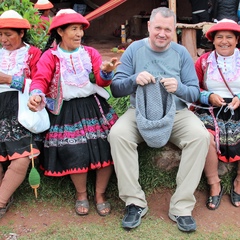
[[184, 223], [133, 216]]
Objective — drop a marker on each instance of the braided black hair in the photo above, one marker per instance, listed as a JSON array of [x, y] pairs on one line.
[[54, 36], [50, 41]]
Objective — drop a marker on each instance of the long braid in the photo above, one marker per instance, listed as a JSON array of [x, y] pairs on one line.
[[54, 36], [50, 41]]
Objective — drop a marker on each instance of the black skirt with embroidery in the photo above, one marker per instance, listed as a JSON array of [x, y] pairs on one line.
[[228, 129], [77, 139], [15, 140]]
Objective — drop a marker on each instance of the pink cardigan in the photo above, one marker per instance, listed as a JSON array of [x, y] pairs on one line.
[[201, 68], [34, 54], [47, 78]]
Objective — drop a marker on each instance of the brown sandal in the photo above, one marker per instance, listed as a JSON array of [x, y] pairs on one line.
[[102, 208], [83, 204], [235, 197]]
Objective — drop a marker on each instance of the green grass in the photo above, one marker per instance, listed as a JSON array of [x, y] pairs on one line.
[[109, 228], [150, 229]]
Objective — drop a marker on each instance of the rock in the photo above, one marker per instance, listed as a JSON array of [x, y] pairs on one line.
[[168, 157], [224, 168]]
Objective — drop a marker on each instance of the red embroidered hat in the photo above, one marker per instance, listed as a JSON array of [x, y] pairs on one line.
[[224, 24], [12, 19], [43, 5], [68, 16]]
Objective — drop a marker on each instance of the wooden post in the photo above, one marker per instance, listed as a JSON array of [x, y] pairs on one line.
[[189, 41], [172, 6], [188, 38]]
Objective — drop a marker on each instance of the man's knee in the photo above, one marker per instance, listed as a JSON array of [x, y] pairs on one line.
[[118, 131], [115, 133], [200, 132]]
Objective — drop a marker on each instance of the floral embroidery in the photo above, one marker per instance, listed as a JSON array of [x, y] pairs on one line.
[[75, 67], [11, 62], [232, 72]]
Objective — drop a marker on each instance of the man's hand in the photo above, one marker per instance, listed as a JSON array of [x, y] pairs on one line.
[[145, 78], [170, 84]]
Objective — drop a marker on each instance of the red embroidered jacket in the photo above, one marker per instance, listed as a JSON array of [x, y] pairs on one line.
[[47, 78]]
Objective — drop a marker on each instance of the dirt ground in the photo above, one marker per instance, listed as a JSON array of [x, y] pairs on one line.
[[104, 46], [24, 219], [43, 216]]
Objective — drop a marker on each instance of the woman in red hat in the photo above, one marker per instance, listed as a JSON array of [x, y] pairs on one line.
[[44, 7], [17, 62], [70, 81], [219, 77]]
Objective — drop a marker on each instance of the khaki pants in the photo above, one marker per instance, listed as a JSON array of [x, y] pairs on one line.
[[188, 133]]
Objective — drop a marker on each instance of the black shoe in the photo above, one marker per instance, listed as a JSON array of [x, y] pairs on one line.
[[216, 200], [133, 216], [235, 197], [184, 223]]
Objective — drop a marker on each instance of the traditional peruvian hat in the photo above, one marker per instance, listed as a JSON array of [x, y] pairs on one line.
[[68, 16], [12, 19], [43, 5], [224, 24], [155, 113]]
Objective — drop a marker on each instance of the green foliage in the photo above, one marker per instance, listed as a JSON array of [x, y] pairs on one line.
[[120, 105], [36, 36], [151, 177]]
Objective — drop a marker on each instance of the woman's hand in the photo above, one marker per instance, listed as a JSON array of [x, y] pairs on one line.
[[109, 66], [235, 103], [5, 78], [216, 100], [34, 102]]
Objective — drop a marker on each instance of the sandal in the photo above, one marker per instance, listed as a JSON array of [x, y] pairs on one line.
[[102, 207], [235, 197], [5, 209], [83, 204], [215, 200]]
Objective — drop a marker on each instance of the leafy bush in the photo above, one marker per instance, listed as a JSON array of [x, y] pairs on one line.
[[120, 105], [36, 35]]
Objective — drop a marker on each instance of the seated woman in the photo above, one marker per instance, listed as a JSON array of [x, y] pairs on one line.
[[219, 77], [18, 61], [73, 77]]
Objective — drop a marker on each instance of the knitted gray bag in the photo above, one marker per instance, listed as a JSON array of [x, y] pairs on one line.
[[155, 112]]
